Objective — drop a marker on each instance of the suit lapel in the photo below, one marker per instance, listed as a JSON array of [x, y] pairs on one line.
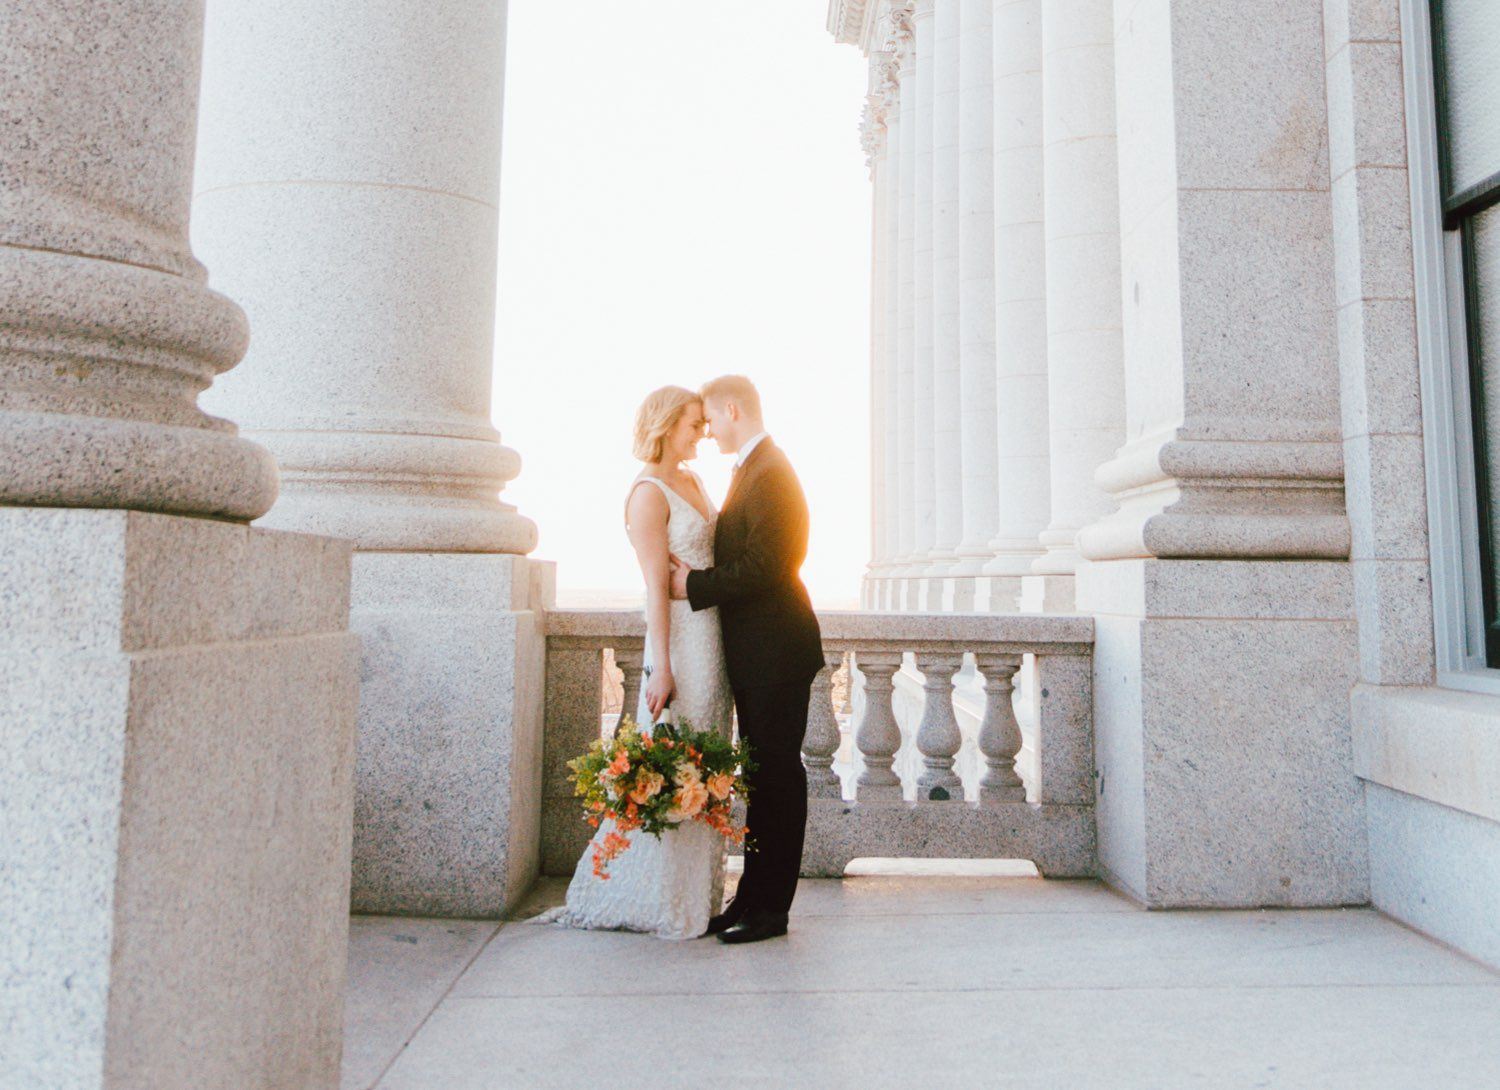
[[744, 470]]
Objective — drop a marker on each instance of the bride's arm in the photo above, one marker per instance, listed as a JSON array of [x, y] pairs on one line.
[[647, 514]]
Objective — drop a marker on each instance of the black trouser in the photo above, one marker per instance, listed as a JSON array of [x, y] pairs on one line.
[[773, 719]]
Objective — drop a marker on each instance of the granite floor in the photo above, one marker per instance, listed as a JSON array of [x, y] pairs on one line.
[[890, 981]]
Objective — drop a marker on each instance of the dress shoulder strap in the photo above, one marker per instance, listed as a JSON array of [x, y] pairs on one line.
[[666, 490]]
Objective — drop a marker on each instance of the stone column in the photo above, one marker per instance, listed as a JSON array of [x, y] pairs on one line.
[[347, 195], [882, 334], [903, 38], [1226, 559], [976, 264], [1020, 305], [1085, 381], [947, 467], [924, 478], [889, 422], [177, 690]]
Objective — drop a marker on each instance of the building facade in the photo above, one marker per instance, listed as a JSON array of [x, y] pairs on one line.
[[1181, 318]]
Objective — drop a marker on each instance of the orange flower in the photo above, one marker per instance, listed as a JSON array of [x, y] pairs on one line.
[[648, 785], [720, 784]]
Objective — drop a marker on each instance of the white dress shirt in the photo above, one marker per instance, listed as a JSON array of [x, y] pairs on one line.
[[750, 444]]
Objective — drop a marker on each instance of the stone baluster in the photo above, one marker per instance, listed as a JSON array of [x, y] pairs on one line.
[[878, 737], [821, 741], [938, 737], [629, 660], [999, 733]]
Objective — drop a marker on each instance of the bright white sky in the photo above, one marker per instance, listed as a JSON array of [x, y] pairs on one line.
[[682, 195]]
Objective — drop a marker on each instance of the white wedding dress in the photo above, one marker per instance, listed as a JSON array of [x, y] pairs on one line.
[[671, 886]]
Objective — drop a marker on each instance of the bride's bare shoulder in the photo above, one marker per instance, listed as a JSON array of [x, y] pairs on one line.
[[645, 505]]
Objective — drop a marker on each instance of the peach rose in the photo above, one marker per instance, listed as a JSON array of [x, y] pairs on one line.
[[687, 775], [648, 785], [690, 799], [720, 785]]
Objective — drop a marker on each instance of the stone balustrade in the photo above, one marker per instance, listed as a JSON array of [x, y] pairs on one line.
[[1043, 812]]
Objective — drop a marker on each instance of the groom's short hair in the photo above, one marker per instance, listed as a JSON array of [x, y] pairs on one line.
[[733, 388]]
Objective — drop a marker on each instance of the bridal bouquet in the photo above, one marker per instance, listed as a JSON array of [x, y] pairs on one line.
[[656, 781]]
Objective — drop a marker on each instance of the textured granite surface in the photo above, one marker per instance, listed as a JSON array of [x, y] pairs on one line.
[[107, 332], [1058, 839], [176, 750], [1222, 735], [447, 810], [1436, 869]]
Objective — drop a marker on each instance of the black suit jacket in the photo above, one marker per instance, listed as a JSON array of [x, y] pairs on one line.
[[771, 634]]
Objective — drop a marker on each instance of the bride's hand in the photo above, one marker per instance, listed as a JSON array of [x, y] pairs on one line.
[[659, 689]]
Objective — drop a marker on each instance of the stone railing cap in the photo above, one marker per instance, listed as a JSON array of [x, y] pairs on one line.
[[860, 625]]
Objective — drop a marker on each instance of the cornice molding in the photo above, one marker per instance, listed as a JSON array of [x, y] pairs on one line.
[[846, 20]]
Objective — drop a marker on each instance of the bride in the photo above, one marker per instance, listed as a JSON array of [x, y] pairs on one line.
[[671, 886]]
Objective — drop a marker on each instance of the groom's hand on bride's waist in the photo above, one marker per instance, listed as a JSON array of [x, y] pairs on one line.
[[679, 574]]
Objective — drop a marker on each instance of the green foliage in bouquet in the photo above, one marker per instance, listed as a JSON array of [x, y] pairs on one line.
[[655, 780]]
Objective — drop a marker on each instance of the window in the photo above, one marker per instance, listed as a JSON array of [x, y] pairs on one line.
[[1466, 74], [1455, 114]]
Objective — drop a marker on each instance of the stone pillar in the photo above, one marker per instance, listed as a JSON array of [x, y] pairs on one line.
[[885, 170], [1085, 381], [347, 195], [976, 263], [903, 39], [947, 466], [872, 139], [1023, 462], [177, 690], [924, 478], [889, 425], [1226, 560]]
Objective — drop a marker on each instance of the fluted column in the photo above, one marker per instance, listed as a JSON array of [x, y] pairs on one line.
[[1085, 379], [903, 38], [947, 467], [924, 479], [888, 461], [873, 140], [107, 332], [1021, 433], [347, 195], [976, 311]]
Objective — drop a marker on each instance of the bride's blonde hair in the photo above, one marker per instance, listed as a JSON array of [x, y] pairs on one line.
[[657, 416]]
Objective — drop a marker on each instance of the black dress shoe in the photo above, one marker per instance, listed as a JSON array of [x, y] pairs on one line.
[[727, 919], [755, 927]]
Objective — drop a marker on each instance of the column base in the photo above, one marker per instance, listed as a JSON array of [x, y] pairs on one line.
[[1221, 732], [1047, 594], [447, 801], [177, 702]]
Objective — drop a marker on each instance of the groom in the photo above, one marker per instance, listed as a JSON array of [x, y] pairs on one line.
[[772, 649]]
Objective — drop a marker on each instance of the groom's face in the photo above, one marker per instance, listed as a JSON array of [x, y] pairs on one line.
[[721, 417]]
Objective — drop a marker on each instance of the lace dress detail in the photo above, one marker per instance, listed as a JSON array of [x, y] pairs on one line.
[[668, 887]]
